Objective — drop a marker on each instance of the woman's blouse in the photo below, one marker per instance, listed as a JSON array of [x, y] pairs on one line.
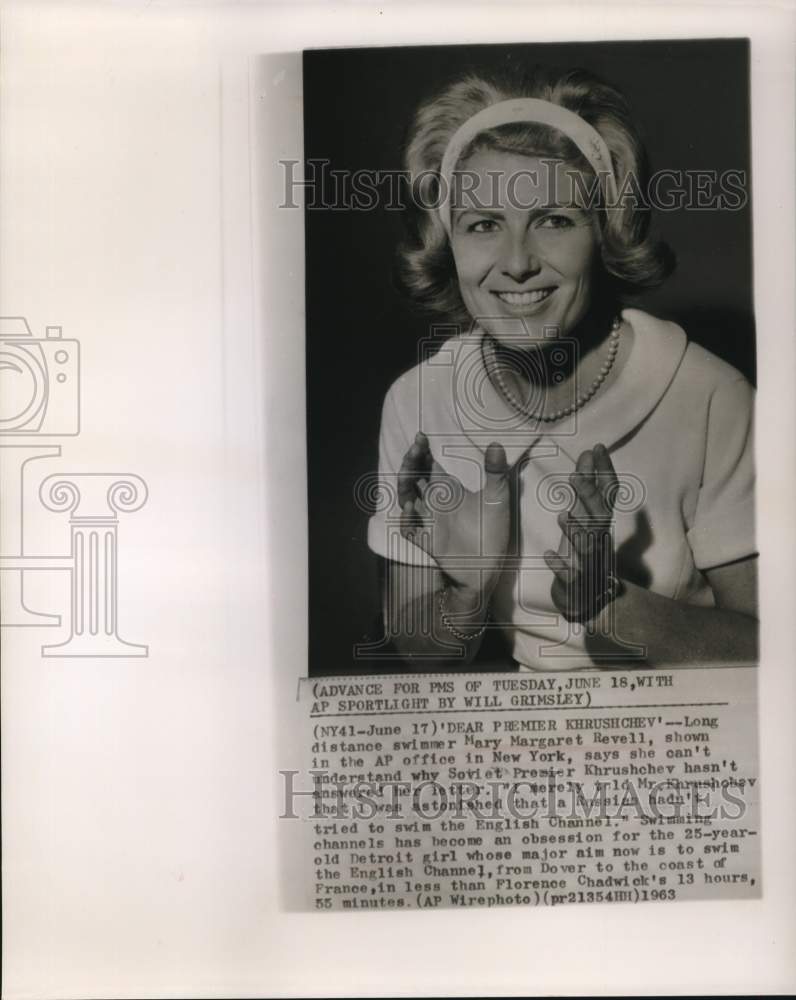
[[677, 421]]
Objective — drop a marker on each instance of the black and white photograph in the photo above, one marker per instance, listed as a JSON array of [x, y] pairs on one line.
[[396, 498], [530, 363], [530, 356]]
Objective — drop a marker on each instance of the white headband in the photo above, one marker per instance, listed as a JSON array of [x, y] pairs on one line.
[[526, 109]]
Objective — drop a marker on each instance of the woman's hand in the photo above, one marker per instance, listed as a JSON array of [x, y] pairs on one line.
[[466, 533], [583, 569]]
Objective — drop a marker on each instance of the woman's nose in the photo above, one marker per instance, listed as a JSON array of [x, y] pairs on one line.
[[521, 260]]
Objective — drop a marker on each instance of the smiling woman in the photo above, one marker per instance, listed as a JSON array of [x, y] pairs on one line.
[[569, 475]]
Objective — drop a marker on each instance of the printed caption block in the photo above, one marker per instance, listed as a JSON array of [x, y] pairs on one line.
[[522, 790]]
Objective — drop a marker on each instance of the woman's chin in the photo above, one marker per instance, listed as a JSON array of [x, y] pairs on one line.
[[525, 331]]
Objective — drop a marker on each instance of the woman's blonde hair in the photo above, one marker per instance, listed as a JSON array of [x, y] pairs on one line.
[[631, 259]]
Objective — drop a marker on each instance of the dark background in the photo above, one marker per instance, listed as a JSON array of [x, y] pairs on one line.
[[690, 100]]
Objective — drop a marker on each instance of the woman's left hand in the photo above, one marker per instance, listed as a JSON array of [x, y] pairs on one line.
[[584, 566]]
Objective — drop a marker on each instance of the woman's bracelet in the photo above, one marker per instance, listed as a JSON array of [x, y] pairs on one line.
[[613, 588], [443, 614]]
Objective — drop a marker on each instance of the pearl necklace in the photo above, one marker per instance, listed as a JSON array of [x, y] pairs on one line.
[[583, 398]]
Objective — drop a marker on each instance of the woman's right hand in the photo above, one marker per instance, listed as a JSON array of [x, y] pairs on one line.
[[466, 533]]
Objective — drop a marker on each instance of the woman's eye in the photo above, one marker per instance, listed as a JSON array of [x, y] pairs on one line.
[[556, 222], [482, 226]]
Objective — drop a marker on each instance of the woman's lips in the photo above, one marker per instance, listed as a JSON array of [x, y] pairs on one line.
[[523, 300]]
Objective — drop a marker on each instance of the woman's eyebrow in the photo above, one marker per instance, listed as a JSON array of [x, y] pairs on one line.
[[555, 206], [534, 210], [472, 210]]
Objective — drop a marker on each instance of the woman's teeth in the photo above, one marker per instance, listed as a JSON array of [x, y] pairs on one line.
[[525, 298]]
